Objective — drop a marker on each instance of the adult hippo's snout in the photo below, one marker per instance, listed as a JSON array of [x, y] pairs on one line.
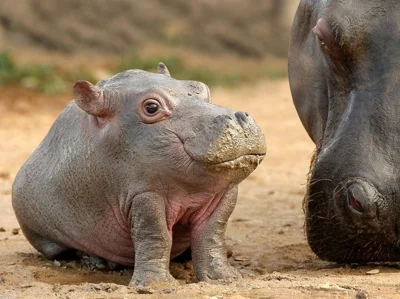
[[351, 221], [361, 206]]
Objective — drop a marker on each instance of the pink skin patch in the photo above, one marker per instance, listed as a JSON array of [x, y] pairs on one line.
[[355, 204], [194, 209], [326, 39], [321, 30], [183, 216]]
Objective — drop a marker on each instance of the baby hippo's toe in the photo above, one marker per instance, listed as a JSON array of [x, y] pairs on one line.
[[153, 280], [220, 272]]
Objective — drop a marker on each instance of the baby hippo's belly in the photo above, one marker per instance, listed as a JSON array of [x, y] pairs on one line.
[[112, 240], [109, 239]]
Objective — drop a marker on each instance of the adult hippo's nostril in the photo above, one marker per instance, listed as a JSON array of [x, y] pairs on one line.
[[242, 117], [354, 203], [362, 199]]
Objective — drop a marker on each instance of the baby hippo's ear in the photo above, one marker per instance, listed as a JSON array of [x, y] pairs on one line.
[[162, 69], [90, 98]]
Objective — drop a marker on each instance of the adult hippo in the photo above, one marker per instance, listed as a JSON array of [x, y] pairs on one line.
[[345, 81]]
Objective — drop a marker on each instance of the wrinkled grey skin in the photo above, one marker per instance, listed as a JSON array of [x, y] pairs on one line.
[[344, 76], [137, 187]]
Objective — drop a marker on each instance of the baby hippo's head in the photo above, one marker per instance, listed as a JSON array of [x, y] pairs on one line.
[[169, 128]]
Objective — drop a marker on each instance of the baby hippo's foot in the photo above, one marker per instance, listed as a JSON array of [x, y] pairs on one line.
[[153, 280], [153, 276], [94, 262], [218, 272]]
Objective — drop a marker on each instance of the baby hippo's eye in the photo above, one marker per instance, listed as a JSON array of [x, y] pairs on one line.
[[152, 108]]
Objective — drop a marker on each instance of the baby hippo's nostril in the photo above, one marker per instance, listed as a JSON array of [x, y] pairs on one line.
[[242, 117]]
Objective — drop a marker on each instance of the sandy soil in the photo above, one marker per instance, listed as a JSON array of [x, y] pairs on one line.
[[265, 232]]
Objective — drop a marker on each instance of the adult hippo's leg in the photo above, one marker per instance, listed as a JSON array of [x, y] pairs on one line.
[[151, 239], [209, 252]]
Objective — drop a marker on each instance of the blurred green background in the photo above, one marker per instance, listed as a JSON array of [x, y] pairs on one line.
[[46, 45]]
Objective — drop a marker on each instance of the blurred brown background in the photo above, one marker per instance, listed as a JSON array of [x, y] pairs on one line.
[[252, 28], [46, 45]]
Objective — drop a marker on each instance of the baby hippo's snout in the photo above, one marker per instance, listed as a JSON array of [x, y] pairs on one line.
[[242, 117], [239, 144], [224, 140]]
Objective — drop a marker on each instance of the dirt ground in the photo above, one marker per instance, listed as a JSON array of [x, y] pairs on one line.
[[265, 232]]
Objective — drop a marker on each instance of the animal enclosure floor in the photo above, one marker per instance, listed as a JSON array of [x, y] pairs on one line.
[[265, 231]]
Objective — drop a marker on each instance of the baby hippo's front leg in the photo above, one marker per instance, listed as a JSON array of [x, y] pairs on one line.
[[209, 251], [151, 240]]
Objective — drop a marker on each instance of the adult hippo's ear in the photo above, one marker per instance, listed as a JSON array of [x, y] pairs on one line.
[[91, 99], [162, 69], [307, 74]]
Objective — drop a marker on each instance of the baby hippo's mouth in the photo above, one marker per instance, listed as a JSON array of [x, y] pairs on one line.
[[244, 161]]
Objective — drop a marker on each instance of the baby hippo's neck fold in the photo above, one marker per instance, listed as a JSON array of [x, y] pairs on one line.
[[191, 208]]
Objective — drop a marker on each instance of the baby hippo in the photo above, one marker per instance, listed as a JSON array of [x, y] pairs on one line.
[[136, 170]]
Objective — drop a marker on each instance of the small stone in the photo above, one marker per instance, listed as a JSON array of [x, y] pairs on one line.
[[168, 291], [57, 263], [229, 251], [144, 290], [361, 294], [241, 258], [2, 229], [329, 286], [97, 288], [56, 288], [373, 272], [26, 286], [241, 220], [15, 231], [4, 175]]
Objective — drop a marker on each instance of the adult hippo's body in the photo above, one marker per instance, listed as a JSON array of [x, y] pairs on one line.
[[344, 70]]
